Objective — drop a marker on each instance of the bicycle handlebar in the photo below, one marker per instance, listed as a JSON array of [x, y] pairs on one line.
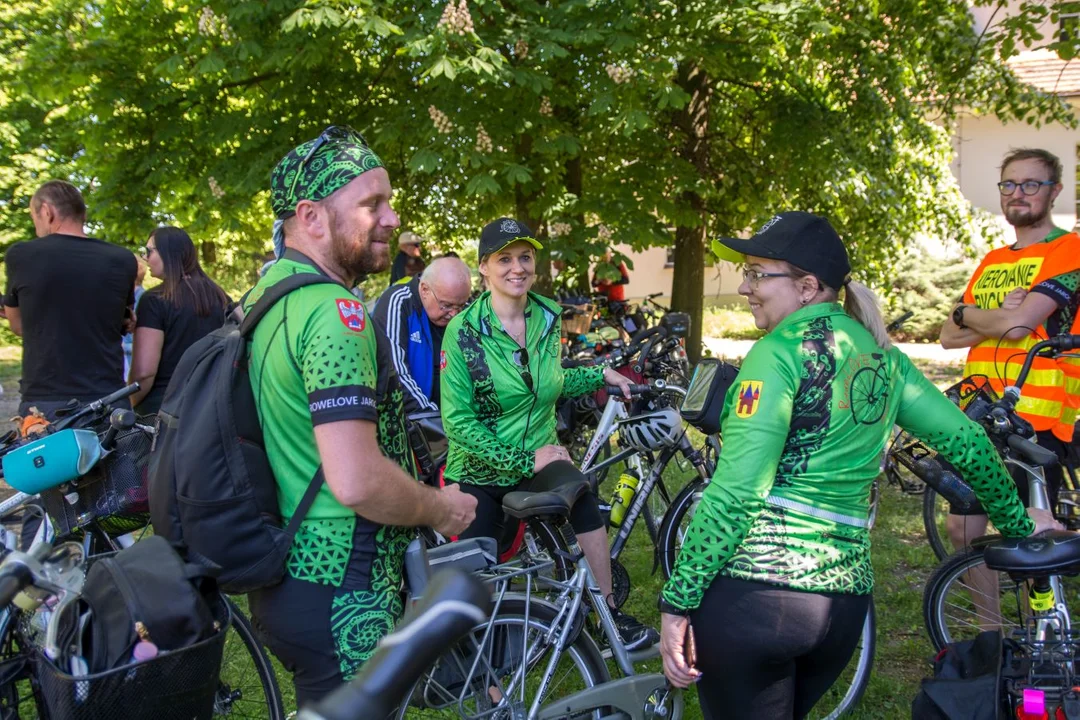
[[898, 322], [96, 406], [1061, 343], [16, 572], [454, 604]]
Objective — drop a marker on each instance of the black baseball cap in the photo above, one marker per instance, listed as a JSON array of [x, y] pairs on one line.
[[497, 234], [806, 241]]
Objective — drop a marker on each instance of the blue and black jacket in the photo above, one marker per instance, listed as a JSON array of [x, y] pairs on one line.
[[400, 315]]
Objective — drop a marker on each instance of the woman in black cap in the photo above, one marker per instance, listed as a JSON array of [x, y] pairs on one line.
[[774, 573], [501, 377]]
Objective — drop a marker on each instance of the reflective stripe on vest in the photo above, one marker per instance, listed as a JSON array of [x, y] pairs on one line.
[[1050, 397]]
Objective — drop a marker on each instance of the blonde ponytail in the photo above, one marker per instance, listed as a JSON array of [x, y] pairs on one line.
[[861, 303]]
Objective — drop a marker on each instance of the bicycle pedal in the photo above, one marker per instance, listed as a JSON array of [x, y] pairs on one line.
[[1070, 705]]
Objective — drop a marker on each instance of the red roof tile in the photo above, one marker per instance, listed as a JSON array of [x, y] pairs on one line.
[[1046, 71]]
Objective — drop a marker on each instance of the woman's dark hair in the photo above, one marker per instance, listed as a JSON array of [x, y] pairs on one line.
[[185, 284]]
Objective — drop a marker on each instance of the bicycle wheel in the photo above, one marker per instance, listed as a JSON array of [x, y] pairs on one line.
[[675, 523], [847, 691], [506, 660], [963, 597], [247, 685], [19, 693], [935, 517]]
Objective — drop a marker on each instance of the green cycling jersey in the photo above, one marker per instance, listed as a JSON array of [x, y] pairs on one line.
[[316, 358], [498, 400], [804, 425]]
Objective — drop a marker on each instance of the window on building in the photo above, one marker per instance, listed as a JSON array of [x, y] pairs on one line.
[[669, 258], [1069, 26]]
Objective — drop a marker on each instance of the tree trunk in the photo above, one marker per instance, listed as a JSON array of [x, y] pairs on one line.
[[688, 282], [524, 200], [579, 282]]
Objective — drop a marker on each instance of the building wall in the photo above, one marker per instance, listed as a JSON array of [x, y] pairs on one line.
[[649, 275], [990, 15], [979, 144]]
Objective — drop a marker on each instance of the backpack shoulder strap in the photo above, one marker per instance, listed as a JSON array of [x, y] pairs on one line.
[[277, 291], [305, 502]]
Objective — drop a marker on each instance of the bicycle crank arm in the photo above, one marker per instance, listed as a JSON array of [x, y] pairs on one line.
[[628, 696]]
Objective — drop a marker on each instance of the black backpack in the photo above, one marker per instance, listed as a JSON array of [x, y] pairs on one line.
[[212, 493]]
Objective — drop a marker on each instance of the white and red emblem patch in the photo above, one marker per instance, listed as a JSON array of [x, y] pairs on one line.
[[351, 313], [442, 360]]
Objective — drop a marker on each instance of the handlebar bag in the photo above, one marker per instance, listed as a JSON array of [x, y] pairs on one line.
[[44, 463], [705, 397], [677, 324]]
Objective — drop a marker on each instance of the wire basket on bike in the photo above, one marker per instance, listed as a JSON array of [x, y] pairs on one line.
[[974, 396], [175, 685], [576, 319], [114, 492]]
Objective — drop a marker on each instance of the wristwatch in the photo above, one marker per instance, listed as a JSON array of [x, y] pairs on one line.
[[958, 316], [665, 607]]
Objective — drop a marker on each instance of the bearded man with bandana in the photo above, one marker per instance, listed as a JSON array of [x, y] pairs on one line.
[[327, 396]]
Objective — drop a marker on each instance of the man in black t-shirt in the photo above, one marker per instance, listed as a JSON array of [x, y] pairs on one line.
[[70, 298]]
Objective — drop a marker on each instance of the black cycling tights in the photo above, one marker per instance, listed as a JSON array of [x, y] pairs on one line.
[[770, 653]]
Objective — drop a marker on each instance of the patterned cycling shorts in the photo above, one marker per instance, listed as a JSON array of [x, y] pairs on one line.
[[322, 634]]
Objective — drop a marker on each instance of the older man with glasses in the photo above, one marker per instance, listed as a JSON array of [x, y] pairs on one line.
[[413, 317], [1020, 294]]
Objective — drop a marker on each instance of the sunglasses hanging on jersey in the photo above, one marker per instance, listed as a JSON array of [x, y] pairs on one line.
[[521, 357]]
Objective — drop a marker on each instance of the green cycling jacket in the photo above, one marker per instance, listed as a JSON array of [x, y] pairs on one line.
[[804, 425], [494, 420]]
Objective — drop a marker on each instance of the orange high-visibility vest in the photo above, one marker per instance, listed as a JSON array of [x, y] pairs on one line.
[[1050, 397]]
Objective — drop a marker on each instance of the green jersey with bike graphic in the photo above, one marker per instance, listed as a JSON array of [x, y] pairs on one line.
[[498, 399], [804, 426], [316, 358]]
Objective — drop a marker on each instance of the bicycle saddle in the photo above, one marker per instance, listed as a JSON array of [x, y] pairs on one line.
[[1050, 553], [555, 502]]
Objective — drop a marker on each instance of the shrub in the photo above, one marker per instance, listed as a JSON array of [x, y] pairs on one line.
[[930, 288]]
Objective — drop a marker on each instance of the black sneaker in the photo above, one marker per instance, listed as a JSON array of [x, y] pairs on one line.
[[634, 634]]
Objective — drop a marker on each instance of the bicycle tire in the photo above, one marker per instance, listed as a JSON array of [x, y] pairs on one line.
[[246, 689], [855, 678], [680, 512], [432, 684], [935, 509], [935, 513], [951, 602]]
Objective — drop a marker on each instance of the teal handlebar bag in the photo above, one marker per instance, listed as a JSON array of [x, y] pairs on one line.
[[55, 459]]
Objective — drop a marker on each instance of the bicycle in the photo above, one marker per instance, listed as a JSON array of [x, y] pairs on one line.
[[1020, 586], [534, 658], [452, 605], [649, 441], [96, 509]]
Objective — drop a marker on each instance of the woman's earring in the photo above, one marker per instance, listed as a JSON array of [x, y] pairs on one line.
[[804, 301]]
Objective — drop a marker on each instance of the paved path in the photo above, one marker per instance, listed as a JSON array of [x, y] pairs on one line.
[[922, 351]]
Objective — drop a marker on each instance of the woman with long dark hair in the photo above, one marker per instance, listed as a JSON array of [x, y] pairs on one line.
[[171, 317]]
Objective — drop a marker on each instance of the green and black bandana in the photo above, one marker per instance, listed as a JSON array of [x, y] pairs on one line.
[[318, 168]]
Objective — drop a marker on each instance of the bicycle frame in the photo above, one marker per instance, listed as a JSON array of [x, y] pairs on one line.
[[1039, 498], [629, 694]]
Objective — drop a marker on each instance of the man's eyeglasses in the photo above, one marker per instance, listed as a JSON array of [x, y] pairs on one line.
[[447, 307], [1028, 187], [521, 357], [334, 133], [752, 276]]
